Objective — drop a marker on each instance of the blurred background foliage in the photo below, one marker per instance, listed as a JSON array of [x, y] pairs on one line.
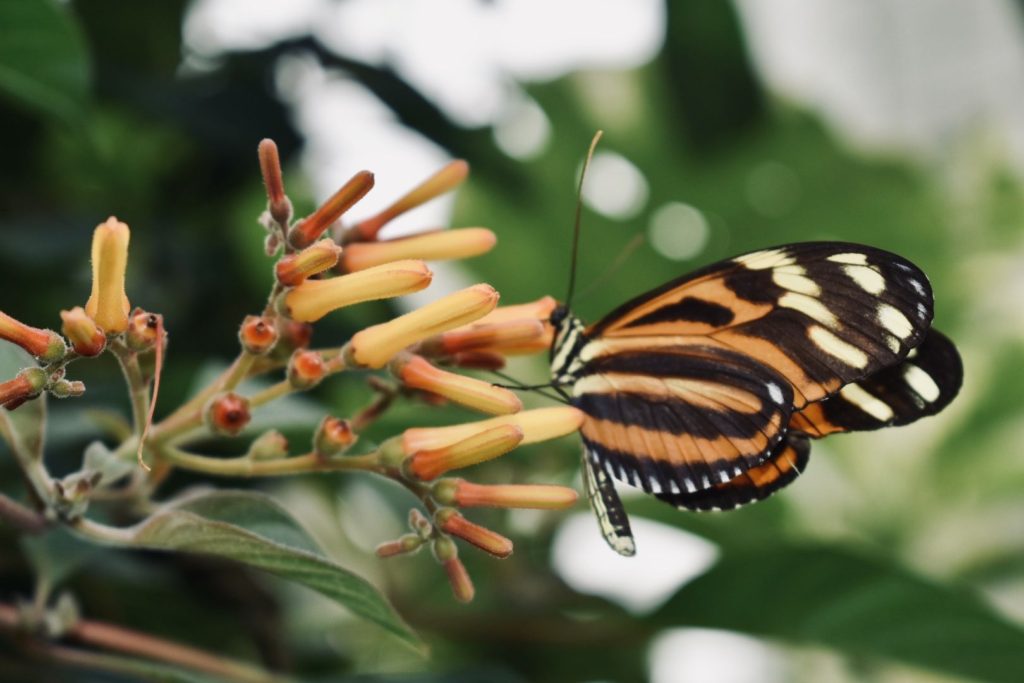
[[899, 556]]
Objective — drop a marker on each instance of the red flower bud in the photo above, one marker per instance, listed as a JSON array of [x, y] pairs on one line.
[[408, 543], [86, 337], [257, 335], [143, 330], [309, 229], [316, 258], [448, 555], [451, 522], [46, 345], [228, 414], [333, 437], [28, 383], [270, 166], [448, 178], [305, 369]]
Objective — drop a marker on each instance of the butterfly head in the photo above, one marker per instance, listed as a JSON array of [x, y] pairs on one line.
[[565, 346]]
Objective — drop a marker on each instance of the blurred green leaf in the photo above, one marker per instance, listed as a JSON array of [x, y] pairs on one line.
[[43, 61], [58, 554], [99, 458], [829, 595], [251, 528]]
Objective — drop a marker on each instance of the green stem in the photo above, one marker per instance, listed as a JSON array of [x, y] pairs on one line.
[[271, 393], [248, 467], [138, 388], [31, 465]]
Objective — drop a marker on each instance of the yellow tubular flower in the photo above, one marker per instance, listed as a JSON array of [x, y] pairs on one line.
[[375, 346], [108, 304], [438, 245], [540, 424], [417, 373], [313, 299]]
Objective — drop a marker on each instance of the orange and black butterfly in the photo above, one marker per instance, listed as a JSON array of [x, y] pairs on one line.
[[706, 391]]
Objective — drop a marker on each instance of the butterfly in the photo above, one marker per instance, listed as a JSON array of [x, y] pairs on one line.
[[707, 391]]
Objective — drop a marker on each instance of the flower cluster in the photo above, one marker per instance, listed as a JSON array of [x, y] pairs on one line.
[[322, 263]]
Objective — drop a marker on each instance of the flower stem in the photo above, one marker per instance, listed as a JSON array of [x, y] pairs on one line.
[[31, 464], [244, 466], [138, 388]]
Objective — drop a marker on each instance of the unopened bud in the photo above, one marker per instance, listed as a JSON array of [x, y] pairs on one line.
[[257, 335], [539, 424], [534, 310], [452, 522], [305, 369], [270, 166], [438, 245], [516, 336], [143, 330], [270, 445], [227, 414], [316, 258], [458, 578], [86, 337], [292, 335], [272, 244], [309, 229], [417, 373], [405, 545], [374, 346], [448, 178], [420, 524], [313, 299], [46, 345], [427, 465], [108, 304], [64, 388], [334, 436], [465, 494], [478, 360]]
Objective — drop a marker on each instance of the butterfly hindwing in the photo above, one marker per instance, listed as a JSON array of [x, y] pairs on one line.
[[822, 314], [604, 499]]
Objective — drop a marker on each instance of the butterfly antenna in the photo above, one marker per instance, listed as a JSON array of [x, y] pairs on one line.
[[620, 261], [576, 220], [536, 388]]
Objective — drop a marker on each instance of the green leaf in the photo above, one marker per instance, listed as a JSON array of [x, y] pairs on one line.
[[99, 458], [43, 60], [828, 595], [251, 528], [57, 554]]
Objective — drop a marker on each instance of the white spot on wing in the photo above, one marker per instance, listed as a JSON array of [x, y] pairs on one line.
[[836, 347], [921, 382], [724, 476], [850, 258], [673, 487], [812, 308], [868, 279], [894, 321], [922, 311], [775, 392], [794, 278], [918, 287], [690, 486], [655, 484], [769, 258], [855, 394]]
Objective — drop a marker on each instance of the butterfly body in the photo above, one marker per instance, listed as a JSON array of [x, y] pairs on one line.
[[704, 392]]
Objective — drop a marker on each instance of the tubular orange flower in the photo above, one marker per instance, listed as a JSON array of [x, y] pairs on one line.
[[108, 304], [426, 465], [375, 346], [448, 178], [465, 494], [458, 578], [316, 258], [309, 229], [539, 424], [534, 310], [451, 522], [46, 345], [437, 245], [313, 299], [86, 338], [28, 383], [417, 373]]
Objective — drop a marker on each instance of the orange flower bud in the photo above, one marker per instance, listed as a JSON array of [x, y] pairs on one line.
[[407, 544], [227, 414], [108, 304], [448, 555], [451, 522], [417, 373], [270, 445], [143, 330], [534, 310], [292, 335], [539, 424], [478, 360], [309, 229], [305, 369], [333, 437], [514, 334], [465, 494], [257, 334], [28, 383], [313, 299], [375, 346], [448, 178], [437, 245], [426, 465], [86, 338], [46, 345], [316, 258], [270, 167]]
